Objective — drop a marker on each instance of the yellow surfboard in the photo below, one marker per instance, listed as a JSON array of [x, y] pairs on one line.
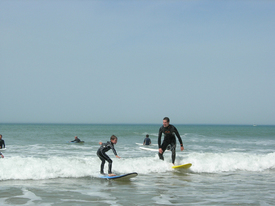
[[185, 166]]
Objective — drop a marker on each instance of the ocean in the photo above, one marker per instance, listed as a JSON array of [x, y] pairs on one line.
[[232, 165]]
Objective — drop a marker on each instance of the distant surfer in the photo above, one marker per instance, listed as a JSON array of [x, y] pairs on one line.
[[2, 145], [147, 140], [76, 139], [2, 142], [169, 132], [101, 153]]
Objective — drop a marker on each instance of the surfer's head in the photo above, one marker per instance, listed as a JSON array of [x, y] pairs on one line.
[[166, 121], [113, 139], [0, 136]]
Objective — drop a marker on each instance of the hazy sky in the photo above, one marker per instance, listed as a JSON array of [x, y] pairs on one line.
[[197, 62]]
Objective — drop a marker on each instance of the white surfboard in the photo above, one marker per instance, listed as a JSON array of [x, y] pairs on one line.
[[2, 150], [141, 144], [149, 149]]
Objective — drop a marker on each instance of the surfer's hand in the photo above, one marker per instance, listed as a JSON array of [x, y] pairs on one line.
[[160, 151], [117, 157], [181, 148], [100, 143]]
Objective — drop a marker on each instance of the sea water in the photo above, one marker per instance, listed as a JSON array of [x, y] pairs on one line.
[[232, 165]]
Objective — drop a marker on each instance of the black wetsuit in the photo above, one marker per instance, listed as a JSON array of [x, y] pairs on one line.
[[2, 142], [101, 153], [76, 140], [147, 141], [169, 138]]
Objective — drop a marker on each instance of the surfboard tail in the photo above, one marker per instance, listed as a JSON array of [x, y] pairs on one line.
[[184, 166], [120, 177]]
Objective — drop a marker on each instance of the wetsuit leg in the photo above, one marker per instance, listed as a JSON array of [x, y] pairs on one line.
[[173, 150], [104, 158], [102, 162], [163, 147]]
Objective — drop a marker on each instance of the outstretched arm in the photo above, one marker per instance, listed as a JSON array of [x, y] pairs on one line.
[[159, 137], [179, 138], [159, 140]]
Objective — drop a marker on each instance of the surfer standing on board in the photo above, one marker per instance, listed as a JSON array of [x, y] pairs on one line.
[[101, 153], [169, 132]]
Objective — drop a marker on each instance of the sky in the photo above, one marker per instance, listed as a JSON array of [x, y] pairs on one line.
[[197, 62]]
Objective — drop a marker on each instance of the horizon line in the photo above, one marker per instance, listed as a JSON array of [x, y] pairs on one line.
[[229, 124]]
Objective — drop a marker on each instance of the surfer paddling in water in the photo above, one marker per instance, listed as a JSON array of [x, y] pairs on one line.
[[169, 132], [101, 153], [76, 139]]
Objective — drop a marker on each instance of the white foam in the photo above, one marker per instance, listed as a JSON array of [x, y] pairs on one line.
[[21, 168], [45, 168], [233, 161]]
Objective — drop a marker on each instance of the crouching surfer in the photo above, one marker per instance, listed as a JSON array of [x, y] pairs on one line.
[[101, 153]]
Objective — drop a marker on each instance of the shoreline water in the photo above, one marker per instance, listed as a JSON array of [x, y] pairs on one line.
[[231, 164]]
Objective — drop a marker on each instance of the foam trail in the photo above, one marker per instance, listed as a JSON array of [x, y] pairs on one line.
[[53, 167], [225, 162], [45, 168]]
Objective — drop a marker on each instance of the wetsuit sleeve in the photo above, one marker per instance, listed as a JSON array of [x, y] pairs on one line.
[[113, 148], [178, 136], [114, 151], [159, 138], [2, 142]]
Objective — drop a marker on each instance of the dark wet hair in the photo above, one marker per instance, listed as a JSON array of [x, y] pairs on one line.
[[113, 137], [167, 119], [147, 135]]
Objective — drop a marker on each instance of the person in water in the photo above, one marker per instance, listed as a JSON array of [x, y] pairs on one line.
[[2, 142], [169, 132], [147, 140], [101, 153], [76, 139]]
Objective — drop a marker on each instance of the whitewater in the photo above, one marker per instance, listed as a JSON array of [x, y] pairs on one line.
[[230, 165]]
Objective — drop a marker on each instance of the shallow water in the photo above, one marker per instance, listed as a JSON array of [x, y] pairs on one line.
[[232, 165]]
